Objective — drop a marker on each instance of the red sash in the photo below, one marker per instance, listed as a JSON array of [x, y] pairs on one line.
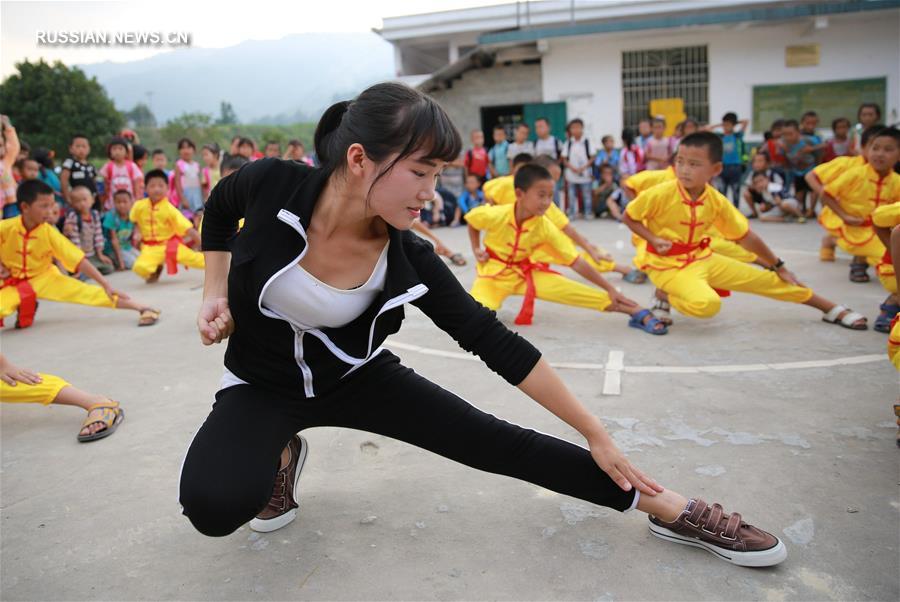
[[27, 301], [525, 267], [171, 252], [683, 248]]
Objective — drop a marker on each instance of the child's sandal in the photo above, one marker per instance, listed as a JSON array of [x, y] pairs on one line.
[[110, 414], [884, 319], [846, 317], [149, 316], [652, 325], [859, 272]]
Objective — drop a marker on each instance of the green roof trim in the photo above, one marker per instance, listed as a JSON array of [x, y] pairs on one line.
[[774, 13]]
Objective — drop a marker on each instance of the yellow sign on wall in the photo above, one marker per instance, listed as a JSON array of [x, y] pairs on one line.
[[801, 56], [670, 109]]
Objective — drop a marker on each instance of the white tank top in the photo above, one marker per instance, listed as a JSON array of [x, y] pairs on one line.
[[307, 302], [304, 300]]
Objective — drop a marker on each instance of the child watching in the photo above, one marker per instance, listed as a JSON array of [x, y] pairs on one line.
[[85, 230], [27, 264], [160, 161], [765, 200], [76, 169], [546, 143], [521, 143], [506, 269], [119, 232], [211, 171], [186, 190], [476, 160], [498, 155], [631, 157], [657, 148], [471, 197], [645, 132], [162, 228], [273, 149], [608, 197], [732, 155], [867, 115], [799, 151], [607, 155], [577, 160], [139, 156], [840, 144], [119, 173], [9, 151]]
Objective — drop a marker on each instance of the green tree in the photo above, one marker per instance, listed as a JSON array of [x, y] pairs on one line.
[[141, 116], [188, 125], [49, 103], [227, 116]]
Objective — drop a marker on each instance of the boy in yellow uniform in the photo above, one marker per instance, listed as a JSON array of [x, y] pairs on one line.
[[501, 191], [28, 246], [826, 173], [515, 234], [851, 199], [886, 220], [676, 219], [20, 385], [162, 228]]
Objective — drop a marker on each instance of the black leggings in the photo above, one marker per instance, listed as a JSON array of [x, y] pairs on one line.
[[229, 470]]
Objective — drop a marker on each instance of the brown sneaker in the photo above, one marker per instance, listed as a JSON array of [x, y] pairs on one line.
[[282, 507], [723, 535]]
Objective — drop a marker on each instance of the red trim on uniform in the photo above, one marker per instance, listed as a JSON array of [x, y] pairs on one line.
[[524, 268]]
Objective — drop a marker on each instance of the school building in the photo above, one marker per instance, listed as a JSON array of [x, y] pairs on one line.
[[607, 61]]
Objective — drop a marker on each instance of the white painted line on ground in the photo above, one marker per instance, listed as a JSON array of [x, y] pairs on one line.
[[612, 378], [713, 369]]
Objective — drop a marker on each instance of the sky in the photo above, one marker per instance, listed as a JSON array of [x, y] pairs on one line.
[[214, 24]]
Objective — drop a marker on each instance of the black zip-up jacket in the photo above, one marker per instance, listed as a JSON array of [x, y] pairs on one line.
[[277, 198]]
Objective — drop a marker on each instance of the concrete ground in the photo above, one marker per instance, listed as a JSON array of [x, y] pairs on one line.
[[803, 450]]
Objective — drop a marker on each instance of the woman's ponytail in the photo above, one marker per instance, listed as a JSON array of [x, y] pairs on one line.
[[328, 124]]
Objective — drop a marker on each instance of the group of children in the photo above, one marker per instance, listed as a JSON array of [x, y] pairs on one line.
[[690, 240]]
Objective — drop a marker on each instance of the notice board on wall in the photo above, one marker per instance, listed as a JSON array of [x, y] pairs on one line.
[[828, 99]]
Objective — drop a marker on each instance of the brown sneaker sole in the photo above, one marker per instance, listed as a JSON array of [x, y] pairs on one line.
[[263, 525], [759, 558]]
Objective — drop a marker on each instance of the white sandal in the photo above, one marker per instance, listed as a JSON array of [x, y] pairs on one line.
[[848, 320]]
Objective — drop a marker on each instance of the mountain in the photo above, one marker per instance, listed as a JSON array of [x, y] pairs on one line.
[[271, 81]]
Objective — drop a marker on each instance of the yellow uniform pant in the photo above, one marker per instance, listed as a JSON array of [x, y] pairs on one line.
[[54, 286], [887, 276], [729, 248], [44, 392], [492, 291], [603, 266], [893, 346], [154, 256], [691, 288]]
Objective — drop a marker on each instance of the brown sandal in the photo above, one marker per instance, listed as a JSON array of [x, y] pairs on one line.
[[110, 414], [149, 316]]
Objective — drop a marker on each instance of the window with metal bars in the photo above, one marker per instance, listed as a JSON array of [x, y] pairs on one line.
[[665, 73]]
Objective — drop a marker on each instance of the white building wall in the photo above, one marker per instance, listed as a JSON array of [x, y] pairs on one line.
[[586, 71]]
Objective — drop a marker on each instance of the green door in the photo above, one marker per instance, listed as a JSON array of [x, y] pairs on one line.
[[554, 111]]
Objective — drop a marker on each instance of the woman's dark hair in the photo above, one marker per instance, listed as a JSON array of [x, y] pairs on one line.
[[386, 119], [869, 105]]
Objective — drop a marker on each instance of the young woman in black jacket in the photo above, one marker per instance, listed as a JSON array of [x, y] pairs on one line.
[[310, 288]]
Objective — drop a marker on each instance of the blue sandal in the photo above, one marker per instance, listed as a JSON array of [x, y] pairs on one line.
[[637, 321], [883, 321]]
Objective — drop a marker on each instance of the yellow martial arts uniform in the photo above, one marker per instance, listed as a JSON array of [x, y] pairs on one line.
[[644, 180], [860, 191], [29, 255], [512, 270], [44, 392], [691, 273], [893, 345], [501, 191], [887, 216], [826, 173], [160, 223]]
